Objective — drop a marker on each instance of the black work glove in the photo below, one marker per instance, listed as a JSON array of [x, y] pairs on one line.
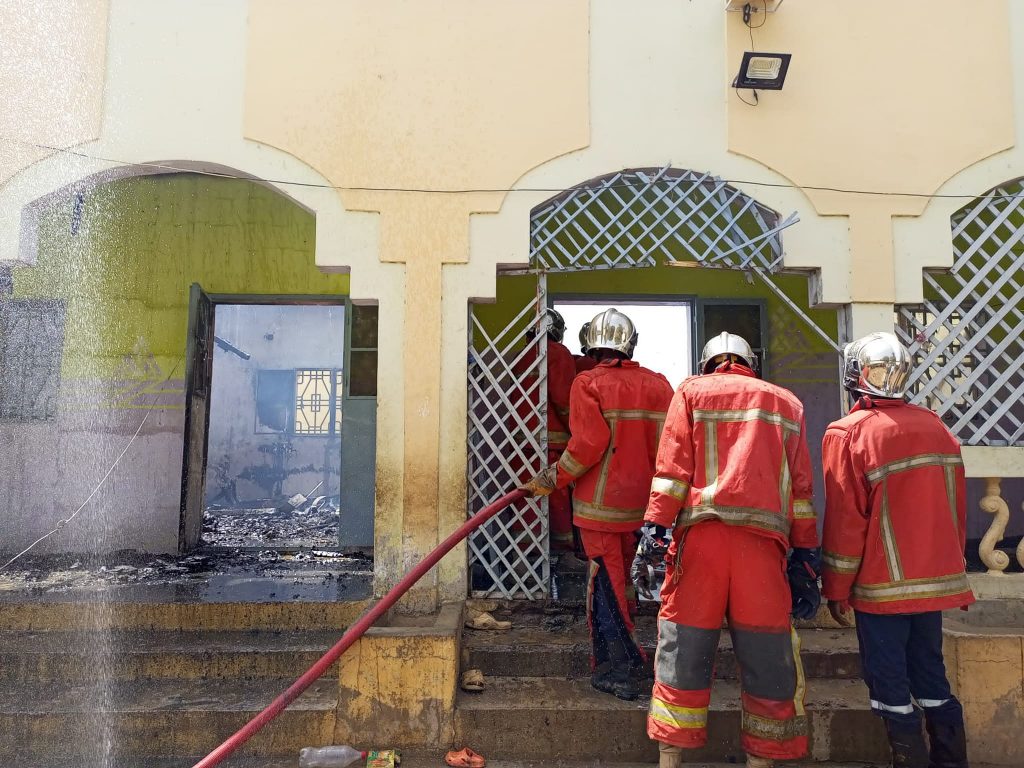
[[802, 571], [649, 552]]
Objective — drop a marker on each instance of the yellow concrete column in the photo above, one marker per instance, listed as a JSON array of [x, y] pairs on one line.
[[424, 232], [438, 97]]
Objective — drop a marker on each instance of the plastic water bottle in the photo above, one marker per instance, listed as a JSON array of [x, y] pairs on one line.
[[329, 757]]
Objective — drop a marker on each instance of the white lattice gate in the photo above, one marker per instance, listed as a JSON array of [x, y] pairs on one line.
[[628, 219], [508, 443], [967, 337]]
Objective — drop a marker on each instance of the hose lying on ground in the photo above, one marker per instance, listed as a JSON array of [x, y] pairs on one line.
[[354, 632]]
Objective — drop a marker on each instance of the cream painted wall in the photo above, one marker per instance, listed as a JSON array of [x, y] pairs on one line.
[[884, 97], [51, 78], [160, 105]]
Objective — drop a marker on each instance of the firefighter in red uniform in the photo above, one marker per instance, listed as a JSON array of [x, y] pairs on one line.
[[584, 362], [561, 372], [733, 477], [895, 529], [617, 413]]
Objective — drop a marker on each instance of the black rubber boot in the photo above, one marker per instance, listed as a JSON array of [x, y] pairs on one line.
[[616, 678], [907, 744], [948, 744], [617, 681]]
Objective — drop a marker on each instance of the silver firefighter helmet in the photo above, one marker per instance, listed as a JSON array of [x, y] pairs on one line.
[[583, 337], [877, 364], [611, 329], [726, 346], [553, 324]]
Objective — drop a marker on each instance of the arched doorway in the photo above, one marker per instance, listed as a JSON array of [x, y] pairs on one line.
[[631, 237]]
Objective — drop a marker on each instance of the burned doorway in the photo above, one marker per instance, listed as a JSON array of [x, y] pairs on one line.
[[274, 445]]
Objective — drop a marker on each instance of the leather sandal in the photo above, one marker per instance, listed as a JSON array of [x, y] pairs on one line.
[[473, 680], [483, 620]]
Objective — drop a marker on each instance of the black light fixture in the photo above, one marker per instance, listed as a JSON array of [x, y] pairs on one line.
[[762, 71]]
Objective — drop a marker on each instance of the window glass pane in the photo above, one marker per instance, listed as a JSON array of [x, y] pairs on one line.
[[364, 326], [362, 374], [275, 397], [663, 329], [741, 319]]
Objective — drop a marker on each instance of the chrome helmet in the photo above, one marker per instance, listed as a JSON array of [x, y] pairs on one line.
[[877, 364], [726, 346], [611, 330], [583, 337], [553, 324]]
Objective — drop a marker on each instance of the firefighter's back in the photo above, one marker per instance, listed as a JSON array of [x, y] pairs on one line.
[[633, 402], [913, 473], [740, 427]]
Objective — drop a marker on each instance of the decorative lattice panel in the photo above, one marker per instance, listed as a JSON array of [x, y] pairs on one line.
[[31, 348], [507, 444], [636, 217], [967, 337]]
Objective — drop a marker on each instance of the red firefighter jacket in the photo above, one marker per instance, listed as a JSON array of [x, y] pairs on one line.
[[561, 372], [895, 511], [584, 363], [735, 450], [617, 413]]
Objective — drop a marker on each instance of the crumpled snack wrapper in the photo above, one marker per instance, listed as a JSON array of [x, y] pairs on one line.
[[383, 758]]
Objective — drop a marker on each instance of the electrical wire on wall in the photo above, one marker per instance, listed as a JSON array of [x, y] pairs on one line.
[[748, 11], [165, 167]]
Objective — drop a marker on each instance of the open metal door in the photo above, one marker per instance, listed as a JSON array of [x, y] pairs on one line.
[[198, 377]]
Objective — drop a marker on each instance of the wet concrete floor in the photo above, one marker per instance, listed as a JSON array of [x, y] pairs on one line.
[[213, 575]]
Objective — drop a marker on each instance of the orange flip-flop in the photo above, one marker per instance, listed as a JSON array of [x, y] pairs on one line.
[[465, 758]]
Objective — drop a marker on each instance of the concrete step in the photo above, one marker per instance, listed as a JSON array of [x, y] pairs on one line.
[[419, 761], [559, 646], [124, 655], [544, 718], [157, 717], [52, 615]]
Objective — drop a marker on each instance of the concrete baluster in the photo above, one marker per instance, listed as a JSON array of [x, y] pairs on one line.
[[994, 504], [1020, 546]]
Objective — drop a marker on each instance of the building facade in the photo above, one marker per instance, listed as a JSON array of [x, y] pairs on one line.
[[444, 170]]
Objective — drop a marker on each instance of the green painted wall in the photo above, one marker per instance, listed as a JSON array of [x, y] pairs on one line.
[[515, 291], [123, 259]]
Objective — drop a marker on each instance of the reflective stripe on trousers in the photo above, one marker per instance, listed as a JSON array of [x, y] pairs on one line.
[[729, 571]]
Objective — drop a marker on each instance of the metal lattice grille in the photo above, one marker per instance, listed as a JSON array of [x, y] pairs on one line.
[[967, 337], [507, 443], [31, 348], [636, 217]]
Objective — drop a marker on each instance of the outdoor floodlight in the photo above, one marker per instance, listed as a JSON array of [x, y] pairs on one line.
[[763, 71]]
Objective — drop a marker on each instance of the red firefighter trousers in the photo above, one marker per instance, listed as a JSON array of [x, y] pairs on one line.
[[611, 598], [728, 571]]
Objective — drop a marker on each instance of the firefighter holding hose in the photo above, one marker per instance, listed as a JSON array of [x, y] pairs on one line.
[[617, 410], [733, 477]]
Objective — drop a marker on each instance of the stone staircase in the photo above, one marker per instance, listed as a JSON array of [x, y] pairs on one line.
[[156, 685], [539, 705], [158, 681]]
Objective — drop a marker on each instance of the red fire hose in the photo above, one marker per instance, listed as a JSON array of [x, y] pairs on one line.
[[354, 632]]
